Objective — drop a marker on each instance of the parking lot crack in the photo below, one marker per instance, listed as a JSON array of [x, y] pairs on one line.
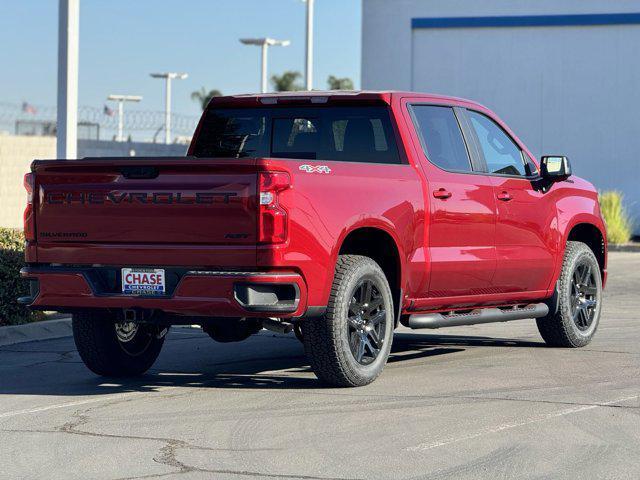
[[167, 454]]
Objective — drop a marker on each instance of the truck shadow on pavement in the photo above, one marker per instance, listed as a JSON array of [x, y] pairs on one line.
[[194, 361]]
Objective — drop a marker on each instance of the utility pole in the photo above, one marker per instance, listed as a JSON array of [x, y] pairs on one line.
[[264, 43], [308, 76], [168, 76], [121, 99], [67, 110]]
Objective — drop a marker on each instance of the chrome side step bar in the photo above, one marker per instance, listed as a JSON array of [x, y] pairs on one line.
[[481, 315]]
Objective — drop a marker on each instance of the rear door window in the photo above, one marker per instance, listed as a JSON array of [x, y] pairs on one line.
[[350, 134], [441, 137]]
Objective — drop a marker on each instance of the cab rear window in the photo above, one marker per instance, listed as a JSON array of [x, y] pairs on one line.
[[350, 134]]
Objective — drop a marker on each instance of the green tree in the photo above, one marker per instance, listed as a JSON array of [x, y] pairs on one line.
[[335, 83], [287, 82], [203, 97]]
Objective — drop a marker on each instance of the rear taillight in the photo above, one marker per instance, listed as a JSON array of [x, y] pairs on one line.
[[272, 224], [29, 221]]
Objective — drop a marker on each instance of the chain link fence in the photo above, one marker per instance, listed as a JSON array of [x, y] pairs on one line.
[[94, 123]]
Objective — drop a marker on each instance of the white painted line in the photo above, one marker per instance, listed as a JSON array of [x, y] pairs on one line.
[[28, 411], [508, 426]]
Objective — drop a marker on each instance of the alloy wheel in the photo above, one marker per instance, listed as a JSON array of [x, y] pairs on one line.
[[366, 322], [584, 296], [133, 338], [126, 331]]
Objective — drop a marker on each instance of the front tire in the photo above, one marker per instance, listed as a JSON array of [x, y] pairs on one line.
[[350, 344], [579, 300], [115, 349]]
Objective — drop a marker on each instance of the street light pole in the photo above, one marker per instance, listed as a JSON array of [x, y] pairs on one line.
[[264, 43], [167, 110], [121, 99], [67, 110], [309, 51], [168, 76]]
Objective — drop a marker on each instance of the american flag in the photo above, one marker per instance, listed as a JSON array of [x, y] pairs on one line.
[[108, 112], [28, 108]]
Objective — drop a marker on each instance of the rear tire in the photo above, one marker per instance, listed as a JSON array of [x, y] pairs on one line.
[[350, 344], [579, 300], [116, 350]]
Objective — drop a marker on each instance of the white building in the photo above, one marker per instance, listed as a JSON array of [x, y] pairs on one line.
[[563, 74]]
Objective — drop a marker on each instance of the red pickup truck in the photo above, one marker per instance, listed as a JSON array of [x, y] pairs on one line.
[[336, 214]]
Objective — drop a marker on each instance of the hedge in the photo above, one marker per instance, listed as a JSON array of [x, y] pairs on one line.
[[11, 286]]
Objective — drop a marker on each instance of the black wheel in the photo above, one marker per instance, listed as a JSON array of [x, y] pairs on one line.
[[579, 300], [350, 344], [116, 349]]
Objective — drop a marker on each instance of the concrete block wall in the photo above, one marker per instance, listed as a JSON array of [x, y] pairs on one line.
[[16, 154], [99, 148]]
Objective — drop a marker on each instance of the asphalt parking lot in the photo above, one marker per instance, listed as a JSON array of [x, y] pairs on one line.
[[462, 403]]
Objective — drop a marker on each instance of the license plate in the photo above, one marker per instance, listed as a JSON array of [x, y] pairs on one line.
[[143, 281]]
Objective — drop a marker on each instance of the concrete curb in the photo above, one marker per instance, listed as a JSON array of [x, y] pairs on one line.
[[31, 332], [59, 327], [624, 247]]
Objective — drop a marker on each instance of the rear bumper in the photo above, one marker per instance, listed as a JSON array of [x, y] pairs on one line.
[[196, 293]]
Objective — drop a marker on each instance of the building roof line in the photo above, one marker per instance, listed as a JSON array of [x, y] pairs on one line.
[[567, 20]]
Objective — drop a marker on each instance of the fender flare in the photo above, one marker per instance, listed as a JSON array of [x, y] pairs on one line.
[[382, 224], [578, 219]]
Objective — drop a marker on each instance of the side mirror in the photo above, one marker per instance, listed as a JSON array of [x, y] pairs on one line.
[[555, 167]]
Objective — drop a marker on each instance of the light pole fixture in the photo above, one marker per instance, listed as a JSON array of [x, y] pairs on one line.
[[121, 99], [168, 76], [265, 43]]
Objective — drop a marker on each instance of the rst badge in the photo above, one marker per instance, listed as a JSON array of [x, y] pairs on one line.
[[314, 168]]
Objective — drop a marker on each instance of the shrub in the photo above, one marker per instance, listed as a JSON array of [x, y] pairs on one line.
[[11, 286], [616, 217]]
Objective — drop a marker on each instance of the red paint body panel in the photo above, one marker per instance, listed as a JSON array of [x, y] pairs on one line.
[[464, 249], [526, 247], [328, 207]]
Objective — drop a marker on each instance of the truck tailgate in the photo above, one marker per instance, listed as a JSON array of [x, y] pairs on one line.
[[163, 202]]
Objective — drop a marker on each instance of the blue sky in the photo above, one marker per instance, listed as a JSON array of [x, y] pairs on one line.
[[122, 41]]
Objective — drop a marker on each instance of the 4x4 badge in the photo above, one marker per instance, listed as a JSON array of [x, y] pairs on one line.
[[314, 169]]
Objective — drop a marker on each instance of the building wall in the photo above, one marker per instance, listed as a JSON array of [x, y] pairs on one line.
[[99, 148], [17, 153], [564, 90]]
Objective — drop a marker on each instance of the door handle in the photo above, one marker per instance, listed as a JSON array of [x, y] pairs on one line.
[[505, 196], [441, 193]]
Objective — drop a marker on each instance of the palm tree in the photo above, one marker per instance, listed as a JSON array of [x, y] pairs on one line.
[[335, 83], [287, 82], [204, 97]]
